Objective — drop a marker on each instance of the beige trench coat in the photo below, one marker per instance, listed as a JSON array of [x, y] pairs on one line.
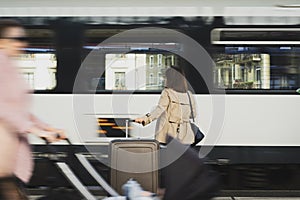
[[173, 113]]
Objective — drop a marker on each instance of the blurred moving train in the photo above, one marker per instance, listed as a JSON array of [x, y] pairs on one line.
[[246, 99]]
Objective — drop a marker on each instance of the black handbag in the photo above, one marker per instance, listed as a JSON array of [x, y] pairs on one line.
[[196, 130]]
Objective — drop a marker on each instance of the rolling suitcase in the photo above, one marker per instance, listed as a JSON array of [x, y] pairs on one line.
[[136, 159], [64, 168]]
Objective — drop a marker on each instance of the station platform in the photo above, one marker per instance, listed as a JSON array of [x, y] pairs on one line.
[[220, 198], [257, 198], [223, 195]]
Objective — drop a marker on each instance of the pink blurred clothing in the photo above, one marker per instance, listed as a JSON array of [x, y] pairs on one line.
[[15, 121]]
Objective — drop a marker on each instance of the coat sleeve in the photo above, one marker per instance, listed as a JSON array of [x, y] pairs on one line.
[[162, 107]]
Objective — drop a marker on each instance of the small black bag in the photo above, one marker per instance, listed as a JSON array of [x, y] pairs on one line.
[[196, 130], [198, 134]]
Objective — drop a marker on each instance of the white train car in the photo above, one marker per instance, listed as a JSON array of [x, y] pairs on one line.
[[94, 64]]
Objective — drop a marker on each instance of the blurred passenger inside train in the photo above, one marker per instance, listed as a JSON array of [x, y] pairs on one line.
[[16, 121], [173, 111]]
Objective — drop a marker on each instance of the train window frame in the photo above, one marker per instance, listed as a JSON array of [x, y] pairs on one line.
[[39, 70], [283, 50], [116, 28]]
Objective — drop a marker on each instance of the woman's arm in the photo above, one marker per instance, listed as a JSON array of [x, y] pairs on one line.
[[162, 106], [44, 130]]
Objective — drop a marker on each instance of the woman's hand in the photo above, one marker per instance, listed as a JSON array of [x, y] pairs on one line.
[[60, 134], [50, 134], [139, 120]]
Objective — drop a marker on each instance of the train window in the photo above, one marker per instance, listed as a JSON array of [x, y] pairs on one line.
[[135, 71], [39, 70], [138, 70], [252, 68], [249, 62], [38, 63]]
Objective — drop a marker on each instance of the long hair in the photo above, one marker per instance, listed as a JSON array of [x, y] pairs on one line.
[[175, 79]]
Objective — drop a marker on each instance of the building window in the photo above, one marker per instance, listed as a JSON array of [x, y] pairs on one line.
[[159, 79], [151, 61], [120, 80], [159, 60], [151, 79], [169, 60]]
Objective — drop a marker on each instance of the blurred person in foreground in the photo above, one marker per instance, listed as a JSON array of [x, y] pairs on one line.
[[16, 121]]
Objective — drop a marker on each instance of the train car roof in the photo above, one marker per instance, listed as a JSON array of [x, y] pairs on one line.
[[150, 8]]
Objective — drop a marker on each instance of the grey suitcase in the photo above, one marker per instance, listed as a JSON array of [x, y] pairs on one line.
[[137, 159]]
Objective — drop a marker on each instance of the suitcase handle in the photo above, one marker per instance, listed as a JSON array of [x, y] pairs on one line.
[[132, 120], [57, 136], [53, 150], [127, 125], [66, 170]]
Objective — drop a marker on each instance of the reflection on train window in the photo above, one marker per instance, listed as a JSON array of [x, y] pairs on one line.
[[39, 70], [272, 69], [136, 71]]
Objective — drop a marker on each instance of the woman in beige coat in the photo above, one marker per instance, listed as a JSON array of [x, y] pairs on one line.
[[173, 110]]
